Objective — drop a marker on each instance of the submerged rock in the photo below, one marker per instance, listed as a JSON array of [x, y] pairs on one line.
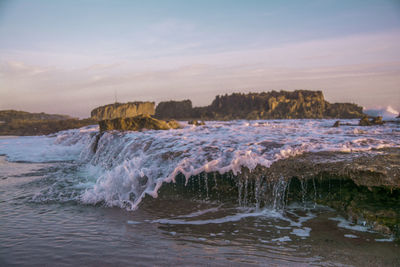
[[137, 123], [122, 110]]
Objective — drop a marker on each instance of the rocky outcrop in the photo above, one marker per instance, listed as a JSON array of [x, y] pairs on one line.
[[343, 110], [122, 110], [137, 123], [271, 105], [370, 121], [299, 104], [12, 115], [179, 110]]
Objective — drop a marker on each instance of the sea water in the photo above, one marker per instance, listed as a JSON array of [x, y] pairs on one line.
[[65, 200]]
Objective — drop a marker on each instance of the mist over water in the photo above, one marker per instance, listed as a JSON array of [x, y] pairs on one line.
[[62, 191]]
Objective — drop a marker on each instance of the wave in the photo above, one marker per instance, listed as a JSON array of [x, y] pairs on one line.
[[127, 166], [387, 113]]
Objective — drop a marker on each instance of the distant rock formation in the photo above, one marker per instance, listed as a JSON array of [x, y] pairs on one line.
[[137, 123], [12, 115], [122, 110], [299, 104], [41, 127], [22, 123], [179, 110]]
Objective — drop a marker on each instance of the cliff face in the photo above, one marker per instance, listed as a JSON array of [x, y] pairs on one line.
[[125, 110], [299, 104]]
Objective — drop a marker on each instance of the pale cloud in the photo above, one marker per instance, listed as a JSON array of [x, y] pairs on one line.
[[363, 69]]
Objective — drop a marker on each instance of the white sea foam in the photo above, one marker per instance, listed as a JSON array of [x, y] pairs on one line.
[[65, 146], [302, 232], [127, 166], [343, 223], [231, 218], [350, 236]]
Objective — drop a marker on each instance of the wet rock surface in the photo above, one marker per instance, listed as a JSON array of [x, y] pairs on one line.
[[196, 122], [364, 187], [370, 121]]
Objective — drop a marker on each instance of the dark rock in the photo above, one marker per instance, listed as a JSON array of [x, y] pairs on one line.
[[137, 123], [122, 110], [370, 121], [298, 104], [196, 122], [337, 124], [179, 110], [343, 110]]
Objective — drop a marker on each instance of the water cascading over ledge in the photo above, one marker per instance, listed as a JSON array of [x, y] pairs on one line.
[[359, 188], [259, 164]]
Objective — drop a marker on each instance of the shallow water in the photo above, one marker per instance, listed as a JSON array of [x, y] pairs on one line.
[[62, 204]]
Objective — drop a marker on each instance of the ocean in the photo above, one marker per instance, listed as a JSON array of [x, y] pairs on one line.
[[160, 198]]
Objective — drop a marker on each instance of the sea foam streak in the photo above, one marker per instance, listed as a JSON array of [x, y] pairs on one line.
[[127, 166]]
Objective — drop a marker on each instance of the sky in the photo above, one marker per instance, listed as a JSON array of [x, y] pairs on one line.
[[68, 57]]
